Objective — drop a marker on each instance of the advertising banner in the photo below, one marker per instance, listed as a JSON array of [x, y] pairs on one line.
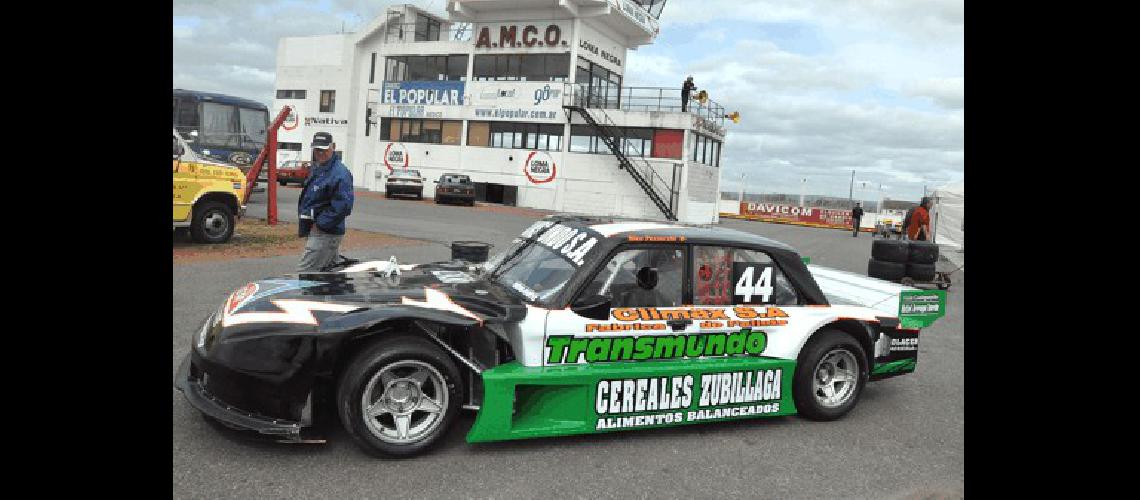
[[808, 216], [425, 92], [516, 100]]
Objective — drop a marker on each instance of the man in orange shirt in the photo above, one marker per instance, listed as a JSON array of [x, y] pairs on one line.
[[919, 228]]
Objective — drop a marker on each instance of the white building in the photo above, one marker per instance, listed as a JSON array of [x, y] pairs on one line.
[[484, 93]]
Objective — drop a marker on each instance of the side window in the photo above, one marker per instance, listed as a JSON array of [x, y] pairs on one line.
[[725, 275], [623, 278]]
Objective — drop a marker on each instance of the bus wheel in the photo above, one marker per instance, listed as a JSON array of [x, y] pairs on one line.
[[213, 223]]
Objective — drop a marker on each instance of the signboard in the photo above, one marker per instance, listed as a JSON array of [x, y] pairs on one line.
[[540, 35], [707, 126], [292, 119], [539, 167], [600, 49], [516, 100], [426, 92], [395, 155], [811, 216]]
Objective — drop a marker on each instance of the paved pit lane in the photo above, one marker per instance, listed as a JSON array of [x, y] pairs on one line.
[[904, 439]]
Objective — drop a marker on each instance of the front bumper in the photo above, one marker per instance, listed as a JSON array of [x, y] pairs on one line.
[[455, 196], [188, 381], [403, 189]]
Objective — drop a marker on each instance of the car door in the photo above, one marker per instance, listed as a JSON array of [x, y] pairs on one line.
[[637, 309], [753, 291]]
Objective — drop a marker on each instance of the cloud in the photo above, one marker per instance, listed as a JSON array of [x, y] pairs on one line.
[[947, 92]]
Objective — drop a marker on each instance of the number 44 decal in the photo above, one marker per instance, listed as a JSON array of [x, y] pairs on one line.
[[749, 285]]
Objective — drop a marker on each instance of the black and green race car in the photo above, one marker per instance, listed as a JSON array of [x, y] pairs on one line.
[[584, 325]]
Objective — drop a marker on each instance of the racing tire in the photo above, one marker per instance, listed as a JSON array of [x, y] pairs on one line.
[[420, 196], [831, 372], [890, 271], [212, 222], [920, 272], [890, 251], [409, 379], [471, 203], [923, 252], [283, 183]]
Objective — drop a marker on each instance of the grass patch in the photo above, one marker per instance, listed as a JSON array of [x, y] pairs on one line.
[[253, 238]]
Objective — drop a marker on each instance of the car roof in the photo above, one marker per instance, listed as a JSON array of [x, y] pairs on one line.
[[611, 227]]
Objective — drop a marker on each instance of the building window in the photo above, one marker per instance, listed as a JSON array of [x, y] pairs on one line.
[[522, 67], [421, 131], [512, 135], [479, 134], [328, 101], [637, 142], [603, 87], [583, 140], [290, 94], [427, 29], [367, 122], [288, 146], [372, 72], [417, 68]]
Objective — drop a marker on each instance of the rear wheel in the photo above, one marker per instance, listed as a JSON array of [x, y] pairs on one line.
[[830, 375], [283, 182], [212, 222], [398, 397]]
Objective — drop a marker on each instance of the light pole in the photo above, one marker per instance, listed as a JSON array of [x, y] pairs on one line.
[[803, 181]]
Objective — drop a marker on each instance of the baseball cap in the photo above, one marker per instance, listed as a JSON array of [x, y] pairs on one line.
[[322, 140]]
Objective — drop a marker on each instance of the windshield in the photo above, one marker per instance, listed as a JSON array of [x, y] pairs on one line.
[[536, 273], [456, 179], [542, 260]]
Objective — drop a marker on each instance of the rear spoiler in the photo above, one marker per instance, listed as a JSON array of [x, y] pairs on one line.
[[915, 308]]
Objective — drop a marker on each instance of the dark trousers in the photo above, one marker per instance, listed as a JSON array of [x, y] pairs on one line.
[[855, 227], [684, 102]]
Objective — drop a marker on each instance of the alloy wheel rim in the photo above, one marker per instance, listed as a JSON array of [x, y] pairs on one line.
[[404, 402], [834, 378]]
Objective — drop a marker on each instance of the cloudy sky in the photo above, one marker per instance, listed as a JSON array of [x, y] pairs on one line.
[[823, 87]]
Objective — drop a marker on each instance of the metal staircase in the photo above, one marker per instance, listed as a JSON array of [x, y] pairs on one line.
[[648, 178]]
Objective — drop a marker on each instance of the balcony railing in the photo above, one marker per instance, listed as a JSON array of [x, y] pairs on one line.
[[660, 99], [408, 32]]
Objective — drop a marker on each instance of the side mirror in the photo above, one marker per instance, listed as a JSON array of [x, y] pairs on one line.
[[437, 182], [647, 278], [595, 307]]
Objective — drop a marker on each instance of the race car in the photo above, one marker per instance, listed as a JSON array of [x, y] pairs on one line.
[[583, 325]]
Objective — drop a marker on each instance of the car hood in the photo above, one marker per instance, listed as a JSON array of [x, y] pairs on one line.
[[446, 291]]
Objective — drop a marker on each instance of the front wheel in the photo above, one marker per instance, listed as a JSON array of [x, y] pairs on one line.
[[830, 375], [399, 396], [212, 222]]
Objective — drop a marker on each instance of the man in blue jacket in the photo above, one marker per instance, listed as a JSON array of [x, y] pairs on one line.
[[326, 200]]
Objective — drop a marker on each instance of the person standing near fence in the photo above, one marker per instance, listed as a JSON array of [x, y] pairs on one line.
[[326, 201], [856, 217], [687, 89], [919, 227]]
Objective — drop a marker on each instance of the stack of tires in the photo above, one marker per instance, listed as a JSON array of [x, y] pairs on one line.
[[893, 260]]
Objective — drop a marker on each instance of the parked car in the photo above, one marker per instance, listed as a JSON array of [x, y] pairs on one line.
[[584, 325], [207, 195], [404, 182], [457, 187], [295, 171]]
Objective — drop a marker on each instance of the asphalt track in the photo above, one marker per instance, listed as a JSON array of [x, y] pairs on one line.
[[903, 440]]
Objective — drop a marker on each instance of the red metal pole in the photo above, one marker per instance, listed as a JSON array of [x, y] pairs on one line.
[[251, 176], [271, 150]]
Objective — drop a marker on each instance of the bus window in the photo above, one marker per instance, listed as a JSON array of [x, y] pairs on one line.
[[253, 125], [217, 125]]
